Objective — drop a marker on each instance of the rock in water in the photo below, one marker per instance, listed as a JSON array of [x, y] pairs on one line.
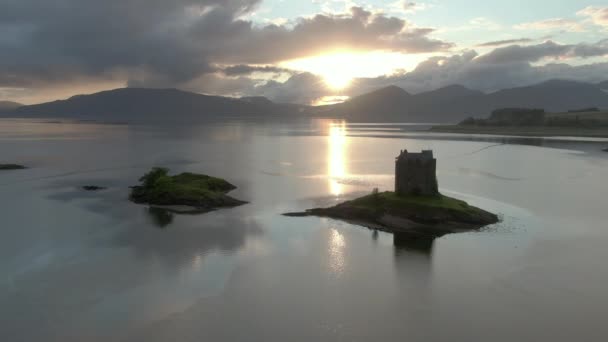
[[12, 167], [93, 188]]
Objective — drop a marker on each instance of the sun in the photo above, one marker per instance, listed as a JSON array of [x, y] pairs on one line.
[[338, 69], [337, 81]]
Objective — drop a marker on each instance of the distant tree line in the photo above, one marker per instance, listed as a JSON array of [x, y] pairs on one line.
[[510, 117], [534, 117], [584, 110]]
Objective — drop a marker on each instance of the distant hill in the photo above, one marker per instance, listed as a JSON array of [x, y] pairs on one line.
[[6, 106], [455, 103], [603, 85], [449, 104], [150, 105]]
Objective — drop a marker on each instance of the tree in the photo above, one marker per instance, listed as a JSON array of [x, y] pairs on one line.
[[150, 178]]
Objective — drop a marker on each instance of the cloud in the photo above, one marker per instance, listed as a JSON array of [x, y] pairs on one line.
[[506, 67], [212, 46], [407, 6], [244, 69], [597, 15], [171, 43], [505, 42], [548, 49], [552, 24], [304, 88]]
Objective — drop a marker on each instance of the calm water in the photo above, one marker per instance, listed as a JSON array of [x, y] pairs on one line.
[[81, 266]]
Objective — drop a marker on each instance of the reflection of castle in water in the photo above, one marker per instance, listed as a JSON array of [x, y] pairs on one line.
[[413, 262], [417, 243]]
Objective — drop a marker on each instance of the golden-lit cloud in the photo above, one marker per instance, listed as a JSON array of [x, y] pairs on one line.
[[339, 69]]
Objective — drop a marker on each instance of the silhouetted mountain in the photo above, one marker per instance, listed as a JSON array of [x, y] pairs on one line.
[[603, 85], [257, 99], [454, 103], [391, 104], [139, 105], [392, 100], [6, 106], [450, 92], [553, 96]]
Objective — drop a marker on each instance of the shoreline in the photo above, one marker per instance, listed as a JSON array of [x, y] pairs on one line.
[[526, 131]]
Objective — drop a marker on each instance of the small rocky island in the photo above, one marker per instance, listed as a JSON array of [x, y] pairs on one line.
[[416, 206], [12, 167], [93, 188], [183, 193]]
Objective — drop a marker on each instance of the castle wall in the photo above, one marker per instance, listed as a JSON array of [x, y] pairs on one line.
[[415, 176]]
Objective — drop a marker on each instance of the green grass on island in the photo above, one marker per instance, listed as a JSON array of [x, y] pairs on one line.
[[391, 200], [197, 190], [437, 213]]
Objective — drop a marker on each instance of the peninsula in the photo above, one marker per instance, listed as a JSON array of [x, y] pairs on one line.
[[183, 193], [588, 122], [416, 206]]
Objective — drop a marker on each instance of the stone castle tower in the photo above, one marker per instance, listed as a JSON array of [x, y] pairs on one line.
[[415, 174]]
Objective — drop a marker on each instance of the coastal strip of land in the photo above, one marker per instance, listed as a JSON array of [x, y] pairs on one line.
[[591, 123], [538, 131]]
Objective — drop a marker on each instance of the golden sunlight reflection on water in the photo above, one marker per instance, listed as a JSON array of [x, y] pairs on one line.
[[336, 158], [336, 251]]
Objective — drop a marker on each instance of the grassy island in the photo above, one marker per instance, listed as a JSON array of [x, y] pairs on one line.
[[436, 215], [12, 167], [199, 191]]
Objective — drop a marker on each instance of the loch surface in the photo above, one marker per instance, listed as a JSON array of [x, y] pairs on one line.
[[93, 266]]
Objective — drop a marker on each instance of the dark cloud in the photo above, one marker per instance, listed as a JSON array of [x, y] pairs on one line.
[[169, 43], [548, 49], [302, 88], [505, 42], [243, 69]]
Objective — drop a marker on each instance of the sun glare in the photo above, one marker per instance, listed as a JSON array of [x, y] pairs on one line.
[[339, 69], [337, 81]]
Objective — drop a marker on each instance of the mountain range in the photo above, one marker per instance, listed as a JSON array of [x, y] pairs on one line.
[[8, 106], [455, 103], [152, 105], [390, 104]]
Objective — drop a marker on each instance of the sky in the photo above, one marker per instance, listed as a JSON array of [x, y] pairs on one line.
[[301, 51]]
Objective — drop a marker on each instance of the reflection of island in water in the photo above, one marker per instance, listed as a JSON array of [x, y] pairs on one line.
[[413, 262], [190, 240], [160, 217], [407, 242]]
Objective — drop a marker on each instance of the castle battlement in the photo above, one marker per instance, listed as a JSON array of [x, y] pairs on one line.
[[424, 155], [415, 173]]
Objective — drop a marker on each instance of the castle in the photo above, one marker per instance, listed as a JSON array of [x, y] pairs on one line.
[[415, 174]]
